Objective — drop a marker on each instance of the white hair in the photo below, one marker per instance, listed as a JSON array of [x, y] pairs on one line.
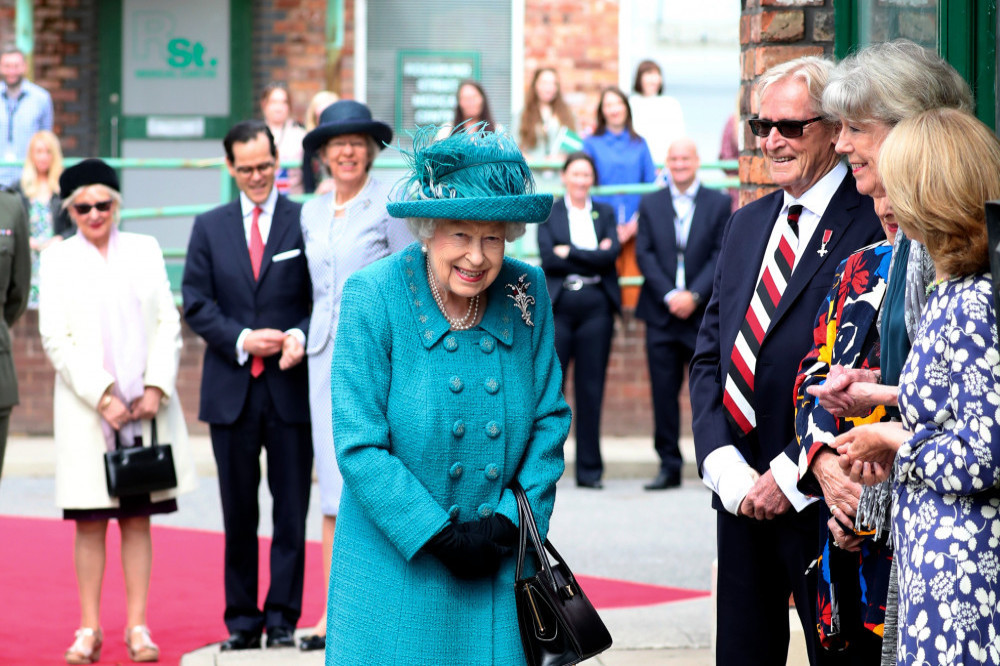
[[423, 228]]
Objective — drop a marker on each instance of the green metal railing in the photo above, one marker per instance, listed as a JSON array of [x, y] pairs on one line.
[[176, 256]]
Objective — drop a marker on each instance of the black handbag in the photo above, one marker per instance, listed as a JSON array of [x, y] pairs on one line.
[[140, 470], [559, 625]]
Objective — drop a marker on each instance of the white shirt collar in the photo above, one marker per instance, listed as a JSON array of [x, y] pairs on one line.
[[691, 192], [267, 207], [817, 198], [570, 208]]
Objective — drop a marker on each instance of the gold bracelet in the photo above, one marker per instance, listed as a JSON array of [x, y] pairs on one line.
[[105, 402]]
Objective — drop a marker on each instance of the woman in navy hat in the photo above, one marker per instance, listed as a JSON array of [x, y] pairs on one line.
[[111, 330], [446, 389], [344, 230]]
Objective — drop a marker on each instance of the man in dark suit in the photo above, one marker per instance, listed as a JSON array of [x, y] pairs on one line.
[[15, 285], [777, 263], [246, 291], [680, 233]]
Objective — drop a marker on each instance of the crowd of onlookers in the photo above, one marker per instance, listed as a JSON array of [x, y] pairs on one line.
[[839, 333]]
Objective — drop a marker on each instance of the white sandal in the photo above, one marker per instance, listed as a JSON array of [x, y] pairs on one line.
[[147, 650], [78, 653]]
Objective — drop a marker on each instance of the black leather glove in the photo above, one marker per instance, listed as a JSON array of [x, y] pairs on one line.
[[498, 528], [467, 555]]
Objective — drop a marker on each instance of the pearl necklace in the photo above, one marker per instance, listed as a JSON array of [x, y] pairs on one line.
[[466, 322], [339, 207]]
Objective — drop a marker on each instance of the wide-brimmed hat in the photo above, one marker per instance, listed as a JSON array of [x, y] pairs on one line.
[[91, 171], [346, 117], [473, 174]]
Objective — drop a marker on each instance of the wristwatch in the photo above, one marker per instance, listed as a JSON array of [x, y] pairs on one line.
[[105, 401], [696, 297]]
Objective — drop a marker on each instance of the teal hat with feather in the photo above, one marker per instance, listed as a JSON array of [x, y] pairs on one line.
[[472, 174]]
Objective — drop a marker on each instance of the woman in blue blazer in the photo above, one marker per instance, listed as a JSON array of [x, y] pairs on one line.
[[446, 390], [579, 247]]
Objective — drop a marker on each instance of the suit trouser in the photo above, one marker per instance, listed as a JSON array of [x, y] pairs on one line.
[[4, 425], [585, 322], [668, 359], [760, 564], [289, 477]]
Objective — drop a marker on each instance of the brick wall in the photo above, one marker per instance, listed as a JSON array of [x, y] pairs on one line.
[[773, 32], [66, 64], [580, 39], [289, 45]]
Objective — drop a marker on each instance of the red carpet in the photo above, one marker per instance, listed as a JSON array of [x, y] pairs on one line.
[[39, 609]]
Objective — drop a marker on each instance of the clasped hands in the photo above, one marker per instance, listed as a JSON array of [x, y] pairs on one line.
[[562, 251], [117, 413], [851, 392], [474, 549], [266, 342]]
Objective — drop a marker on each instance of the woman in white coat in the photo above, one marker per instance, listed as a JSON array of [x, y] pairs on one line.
[[110, 327]]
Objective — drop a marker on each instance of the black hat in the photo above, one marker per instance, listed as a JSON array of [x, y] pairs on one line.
[[346, 117], [90, 171]]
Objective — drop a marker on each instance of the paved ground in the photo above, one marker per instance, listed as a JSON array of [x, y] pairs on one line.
[[623, 532]]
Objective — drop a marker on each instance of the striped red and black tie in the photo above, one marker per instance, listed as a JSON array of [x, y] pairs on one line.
[[738, 394]]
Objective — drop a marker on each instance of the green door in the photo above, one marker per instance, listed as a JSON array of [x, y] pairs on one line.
[[174, 77]]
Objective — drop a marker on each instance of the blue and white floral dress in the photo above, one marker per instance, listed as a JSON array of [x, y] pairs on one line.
[[946, 517]]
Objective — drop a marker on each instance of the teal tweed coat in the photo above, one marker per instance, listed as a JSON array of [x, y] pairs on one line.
[[430, 427]]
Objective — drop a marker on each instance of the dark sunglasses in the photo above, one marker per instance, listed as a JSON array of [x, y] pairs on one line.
[[101, 206], [790, 129]]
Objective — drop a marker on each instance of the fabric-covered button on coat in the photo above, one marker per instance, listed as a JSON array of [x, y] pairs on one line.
[[395, 416]]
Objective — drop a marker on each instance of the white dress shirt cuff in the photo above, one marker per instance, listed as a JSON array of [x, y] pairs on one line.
[[298, 334], [786, 475], [666, 301], [241, 354], [728, 475]]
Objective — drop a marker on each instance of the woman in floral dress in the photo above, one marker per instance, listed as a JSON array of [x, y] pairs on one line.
[[938, 169]]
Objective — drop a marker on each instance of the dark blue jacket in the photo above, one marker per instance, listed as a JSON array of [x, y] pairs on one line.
[[221, 298], [853, 224]]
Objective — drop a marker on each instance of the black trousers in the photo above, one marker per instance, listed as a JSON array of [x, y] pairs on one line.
[[585, 322], [668, 359], [289, 476], [760, 564]]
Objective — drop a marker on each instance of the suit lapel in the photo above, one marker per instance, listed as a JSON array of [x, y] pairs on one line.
[[698, 224], [560, 222], [236, 235], [839, 214]]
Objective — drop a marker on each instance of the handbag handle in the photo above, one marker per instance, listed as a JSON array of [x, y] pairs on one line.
[[529, 531], [154, 440]]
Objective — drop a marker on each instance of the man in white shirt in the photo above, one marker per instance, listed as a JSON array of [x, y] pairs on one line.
[[677, 245], [777, 263]]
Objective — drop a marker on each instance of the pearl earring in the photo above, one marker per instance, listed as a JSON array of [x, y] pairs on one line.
[[423, 248]]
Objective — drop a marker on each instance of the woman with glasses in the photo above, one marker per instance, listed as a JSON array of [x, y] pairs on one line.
[[110, 327], [344, 231]]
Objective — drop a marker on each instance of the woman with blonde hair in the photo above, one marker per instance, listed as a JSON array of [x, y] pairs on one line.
[[939, 168], [315, 177], [39, 190]]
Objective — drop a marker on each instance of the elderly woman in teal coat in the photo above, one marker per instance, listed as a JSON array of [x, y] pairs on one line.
[[446, 389]]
